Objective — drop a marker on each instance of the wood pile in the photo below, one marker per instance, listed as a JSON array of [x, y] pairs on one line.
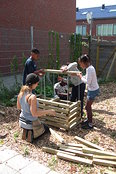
[[83, 152], [68, 114]]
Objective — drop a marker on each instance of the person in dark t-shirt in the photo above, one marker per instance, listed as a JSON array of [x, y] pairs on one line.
[[30, 66]]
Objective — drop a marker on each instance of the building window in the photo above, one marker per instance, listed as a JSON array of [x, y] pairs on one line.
[[114, 32], [106, 30], [81, 29]]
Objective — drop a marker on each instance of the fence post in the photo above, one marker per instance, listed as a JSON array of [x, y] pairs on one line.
[[31, 37], [97, 57]]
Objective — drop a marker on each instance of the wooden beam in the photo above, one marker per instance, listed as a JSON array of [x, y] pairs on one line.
[[74, 158], [77, 152], [74, 145], [112, 158], [114, 58], [53, 103], [51, 123], [64, 146], [53, 71], [55, 151], [87, 143], [98, 152], [104, 162], [57, 136]]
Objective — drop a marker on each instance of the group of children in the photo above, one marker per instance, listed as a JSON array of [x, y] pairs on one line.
[[27, 98]]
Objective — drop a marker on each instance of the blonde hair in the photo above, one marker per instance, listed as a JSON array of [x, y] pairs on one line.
[[25, 89]]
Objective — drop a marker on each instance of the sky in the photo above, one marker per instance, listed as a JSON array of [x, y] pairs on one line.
[[93, 3]]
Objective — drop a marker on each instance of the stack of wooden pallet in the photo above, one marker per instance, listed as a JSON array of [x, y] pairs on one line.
[[68, 114], [84, 152]]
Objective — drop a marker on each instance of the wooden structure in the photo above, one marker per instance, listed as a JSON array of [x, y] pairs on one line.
[[68, 114]]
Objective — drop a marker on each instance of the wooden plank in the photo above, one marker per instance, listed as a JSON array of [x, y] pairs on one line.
[[74, 158], [87, 143], [112, 158], [104, 162], [56, 135], [53, 103], [55, 151], [98, 152], [77, 152]]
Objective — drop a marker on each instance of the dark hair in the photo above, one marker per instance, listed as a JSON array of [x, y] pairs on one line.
[[31, 79], [35, 50], [84, 58]]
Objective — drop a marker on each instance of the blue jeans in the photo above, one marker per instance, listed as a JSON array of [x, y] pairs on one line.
[[92, 94]]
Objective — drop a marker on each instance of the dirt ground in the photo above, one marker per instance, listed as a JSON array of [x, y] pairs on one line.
[[103, 134]]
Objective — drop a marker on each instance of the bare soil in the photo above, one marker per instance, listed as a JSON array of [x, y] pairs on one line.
[[103, 134]]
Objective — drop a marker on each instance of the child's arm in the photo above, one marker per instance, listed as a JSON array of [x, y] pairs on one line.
[[40, 72]]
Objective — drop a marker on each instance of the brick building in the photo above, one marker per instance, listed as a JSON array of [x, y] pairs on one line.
[[42, 14], [16, 19], [103, 22]]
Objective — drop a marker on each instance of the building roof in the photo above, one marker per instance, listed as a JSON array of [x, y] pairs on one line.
[[97, 12]]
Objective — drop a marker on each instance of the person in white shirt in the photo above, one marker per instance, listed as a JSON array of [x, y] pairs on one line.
[[78, 87], [61, 89], [92, 86]]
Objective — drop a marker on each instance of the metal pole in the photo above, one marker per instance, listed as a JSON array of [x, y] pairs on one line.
[[31, 37], [44, 86]]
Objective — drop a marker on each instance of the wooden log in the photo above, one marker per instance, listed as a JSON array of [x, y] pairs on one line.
[[73, 125], [104, 162], [55, 151], [74, 145], [50, 150], [112, 158], [98, 152], [53, 103], [2, 113], [75, 119], [76, 114], [74, 110], [51, 123], [54, 71], [57, 136], [57, 109], [64, 146], [87, 143], [77, 152], [74, 158], [55, 119], [66, 101], [74, 105]]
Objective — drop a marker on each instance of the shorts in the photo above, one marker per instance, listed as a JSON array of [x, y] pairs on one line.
[[92, 94]]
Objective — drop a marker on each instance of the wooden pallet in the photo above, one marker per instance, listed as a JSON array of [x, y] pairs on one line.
[[68, 114]]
